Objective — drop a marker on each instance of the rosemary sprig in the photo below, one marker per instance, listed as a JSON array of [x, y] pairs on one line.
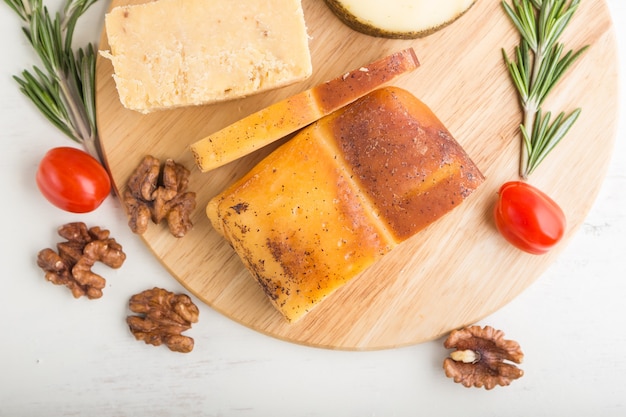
[[64, 89], [539, 64]]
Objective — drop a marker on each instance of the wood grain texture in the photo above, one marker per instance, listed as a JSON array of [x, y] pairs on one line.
[[458, 270]]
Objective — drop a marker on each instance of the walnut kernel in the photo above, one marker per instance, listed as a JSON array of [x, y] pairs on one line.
[[159, 193], [479, 357], [71, 266], [163, 316]]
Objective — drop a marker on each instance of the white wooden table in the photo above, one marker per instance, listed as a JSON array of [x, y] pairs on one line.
[[60, 356]]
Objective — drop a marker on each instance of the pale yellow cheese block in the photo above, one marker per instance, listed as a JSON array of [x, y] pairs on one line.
[[341, 194], [293, 113], [173, 53]]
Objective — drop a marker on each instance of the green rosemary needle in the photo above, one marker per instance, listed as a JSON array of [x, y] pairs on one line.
[[64, 88], [539, 64]]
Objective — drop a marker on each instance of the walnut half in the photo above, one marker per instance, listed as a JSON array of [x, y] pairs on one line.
[[162, 317], [479, 357]]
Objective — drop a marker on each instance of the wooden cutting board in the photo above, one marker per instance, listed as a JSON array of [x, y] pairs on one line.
[[457, 271]]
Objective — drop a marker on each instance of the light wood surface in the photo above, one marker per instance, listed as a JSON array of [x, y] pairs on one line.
[[457, 271]]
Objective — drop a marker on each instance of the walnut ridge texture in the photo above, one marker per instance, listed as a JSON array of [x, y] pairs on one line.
[[161, 318], [482, 357], [159, 193], [71, 264]]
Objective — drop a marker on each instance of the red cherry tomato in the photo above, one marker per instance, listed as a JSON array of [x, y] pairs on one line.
[[528, 218], [73, 180]]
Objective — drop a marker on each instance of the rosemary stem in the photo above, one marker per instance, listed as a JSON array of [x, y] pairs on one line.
[[78, 115], [531, 107], [530, 115]]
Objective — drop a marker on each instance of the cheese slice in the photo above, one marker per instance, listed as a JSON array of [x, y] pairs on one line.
[[293, 113], [399, 19], [173, 53]]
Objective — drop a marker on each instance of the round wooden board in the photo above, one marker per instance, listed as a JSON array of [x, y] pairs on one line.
[[452, 274]]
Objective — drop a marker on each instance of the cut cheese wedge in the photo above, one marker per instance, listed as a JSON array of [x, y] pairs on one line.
[[341, 194], [291, 114], [400, 19], [173, 53]]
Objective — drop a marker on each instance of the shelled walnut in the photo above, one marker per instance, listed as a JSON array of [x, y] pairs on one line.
[[159, 193], [71, 266], [479, 357], [163, 316]]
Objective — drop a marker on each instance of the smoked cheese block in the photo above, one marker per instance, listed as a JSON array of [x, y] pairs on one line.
[[341, 194], [293, 113], [173, 53]]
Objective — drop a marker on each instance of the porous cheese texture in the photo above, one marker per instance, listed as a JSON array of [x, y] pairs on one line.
[[174, 53]]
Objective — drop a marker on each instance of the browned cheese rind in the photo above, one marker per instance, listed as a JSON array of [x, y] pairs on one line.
[[341, 194], [293, 113]]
